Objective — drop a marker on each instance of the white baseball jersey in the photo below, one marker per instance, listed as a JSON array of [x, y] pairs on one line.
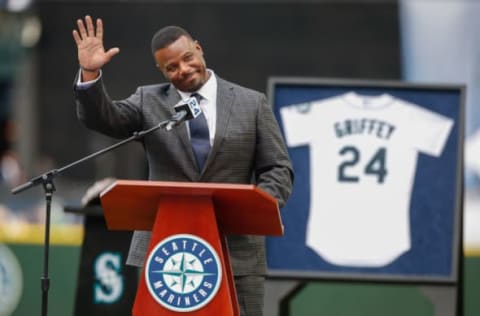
[[363, 156], [472, 153]]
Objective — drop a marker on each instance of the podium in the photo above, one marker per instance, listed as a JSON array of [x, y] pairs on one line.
[[187, 269]]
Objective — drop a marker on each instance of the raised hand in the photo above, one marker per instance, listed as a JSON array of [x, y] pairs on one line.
[[91, 53]]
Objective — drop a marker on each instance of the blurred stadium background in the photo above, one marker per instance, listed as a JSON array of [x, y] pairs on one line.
[[247, 42]]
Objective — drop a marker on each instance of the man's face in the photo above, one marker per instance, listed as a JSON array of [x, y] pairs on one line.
[[182, 63]]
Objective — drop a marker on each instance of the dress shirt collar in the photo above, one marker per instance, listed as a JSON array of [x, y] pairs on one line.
[[208, 91]]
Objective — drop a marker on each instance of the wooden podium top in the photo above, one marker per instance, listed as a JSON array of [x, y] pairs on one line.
[[239, 208]]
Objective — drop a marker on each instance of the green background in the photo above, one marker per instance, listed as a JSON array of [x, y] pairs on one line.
[[327, 297]]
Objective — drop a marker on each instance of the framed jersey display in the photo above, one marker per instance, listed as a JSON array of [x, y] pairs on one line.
[[378, 173]]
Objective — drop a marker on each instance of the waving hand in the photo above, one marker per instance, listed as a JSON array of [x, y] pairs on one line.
[[91, 52]]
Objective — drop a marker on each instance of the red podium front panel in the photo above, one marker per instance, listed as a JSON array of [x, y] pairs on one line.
[[187, 269]]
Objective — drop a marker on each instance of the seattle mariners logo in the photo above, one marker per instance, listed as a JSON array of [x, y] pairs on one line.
[[11, 281], [183, 273], [109, 283]]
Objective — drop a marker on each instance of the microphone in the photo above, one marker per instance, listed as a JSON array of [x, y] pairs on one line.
[[191, 107], [186, 110]]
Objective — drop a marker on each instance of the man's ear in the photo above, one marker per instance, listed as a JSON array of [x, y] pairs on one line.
[[159, 68], [198, 46]]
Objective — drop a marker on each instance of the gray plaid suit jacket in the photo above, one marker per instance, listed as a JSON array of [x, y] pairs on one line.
[[248, 148]]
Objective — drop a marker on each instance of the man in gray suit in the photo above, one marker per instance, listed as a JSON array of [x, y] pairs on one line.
[[244, 143]]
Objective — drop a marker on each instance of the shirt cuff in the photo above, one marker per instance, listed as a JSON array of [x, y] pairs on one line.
[[82, 85]]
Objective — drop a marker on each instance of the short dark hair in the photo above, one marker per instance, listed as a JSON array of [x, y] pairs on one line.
[[166, 36]]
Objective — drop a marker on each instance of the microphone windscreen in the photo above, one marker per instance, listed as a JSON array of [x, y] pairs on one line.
[[190, 106]]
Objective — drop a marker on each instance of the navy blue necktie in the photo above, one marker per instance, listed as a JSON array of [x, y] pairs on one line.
[[199, 136]]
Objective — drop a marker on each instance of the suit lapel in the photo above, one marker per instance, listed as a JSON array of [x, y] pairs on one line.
[[225, 101], [225, 98], [172, 98]]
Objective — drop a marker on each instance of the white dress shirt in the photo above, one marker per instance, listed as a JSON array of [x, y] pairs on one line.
[[208, 102]]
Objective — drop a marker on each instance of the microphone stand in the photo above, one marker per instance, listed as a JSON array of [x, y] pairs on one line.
[[46, 180]]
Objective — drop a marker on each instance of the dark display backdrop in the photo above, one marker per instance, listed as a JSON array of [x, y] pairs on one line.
[[243, 42]]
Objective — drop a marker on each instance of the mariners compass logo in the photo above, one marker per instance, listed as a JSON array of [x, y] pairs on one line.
[[183, 273], [11, 281]]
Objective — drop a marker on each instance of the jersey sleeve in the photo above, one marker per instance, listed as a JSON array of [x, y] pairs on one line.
[[472, 153], [430, 130], [296, 124]]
